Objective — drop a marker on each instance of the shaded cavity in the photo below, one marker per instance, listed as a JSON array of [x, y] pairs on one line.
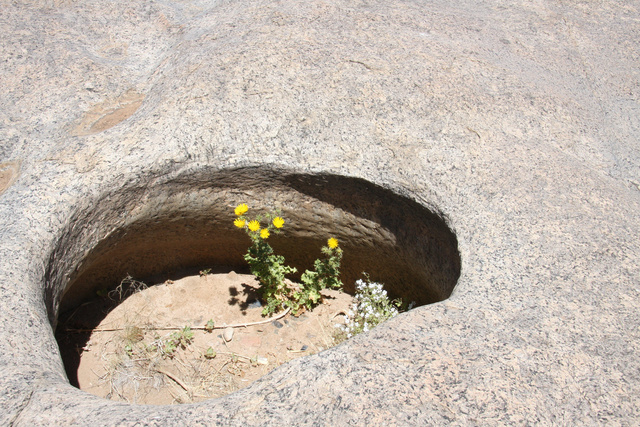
[[162, 225]]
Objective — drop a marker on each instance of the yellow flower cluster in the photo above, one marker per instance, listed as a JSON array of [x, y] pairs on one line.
[[270, 270], [241, 209], [254, 225]]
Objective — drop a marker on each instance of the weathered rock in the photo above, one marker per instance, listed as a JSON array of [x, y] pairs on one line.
[[511, 129]]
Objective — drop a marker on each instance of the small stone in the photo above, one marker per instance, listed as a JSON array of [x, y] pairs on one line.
[[277, 324], [255, 304], [228, 334], [262, 361]]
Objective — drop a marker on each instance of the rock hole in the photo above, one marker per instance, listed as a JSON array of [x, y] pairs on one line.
[[161, 227]]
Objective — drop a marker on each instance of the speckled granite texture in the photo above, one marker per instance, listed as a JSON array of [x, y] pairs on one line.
[[518, 122]]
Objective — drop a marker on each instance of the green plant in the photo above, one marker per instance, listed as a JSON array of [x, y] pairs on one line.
[[270, 269], [324, 276], [178, 339], [210, 354], [132, 337], [371, 306], [183, 337], [169, 348]]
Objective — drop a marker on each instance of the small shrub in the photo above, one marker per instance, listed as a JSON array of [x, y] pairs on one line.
[[183, 338], [325, 276], [128, 286], [270, 269], [210, 354], [371, 306], [178, 339]]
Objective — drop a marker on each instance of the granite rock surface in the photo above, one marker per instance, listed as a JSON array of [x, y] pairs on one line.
[[516, 122]]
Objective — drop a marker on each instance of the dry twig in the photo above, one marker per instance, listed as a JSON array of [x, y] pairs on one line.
[[174, 328]]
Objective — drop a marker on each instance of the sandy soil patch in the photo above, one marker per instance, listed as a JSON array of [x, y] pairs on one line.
[[127, 354]]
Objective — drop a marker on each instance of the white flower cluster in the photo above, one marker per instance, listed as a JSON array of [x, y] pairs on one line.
[[371, 306]]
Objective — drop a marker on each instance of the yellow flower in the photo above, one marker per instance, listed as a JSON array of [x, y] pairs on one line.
[[239, 222], [264, 233], [278, 222], [333, 243], [241, 209], [254, 225]]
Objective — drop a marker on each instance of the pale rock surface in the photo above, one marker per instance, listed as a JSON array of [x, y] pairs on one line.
[[517, 121]]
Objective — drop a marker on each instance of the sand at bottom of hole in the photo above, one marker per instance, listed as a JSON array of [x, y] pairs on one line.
[[128, 365]]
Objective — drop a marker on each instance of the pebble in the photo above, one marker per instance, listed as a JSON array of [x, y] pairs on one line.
[[228, 334], [255, 304]]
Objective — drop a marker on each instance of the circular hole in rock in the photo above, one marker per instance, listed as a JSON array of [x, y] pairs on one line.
[[163, 226]]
